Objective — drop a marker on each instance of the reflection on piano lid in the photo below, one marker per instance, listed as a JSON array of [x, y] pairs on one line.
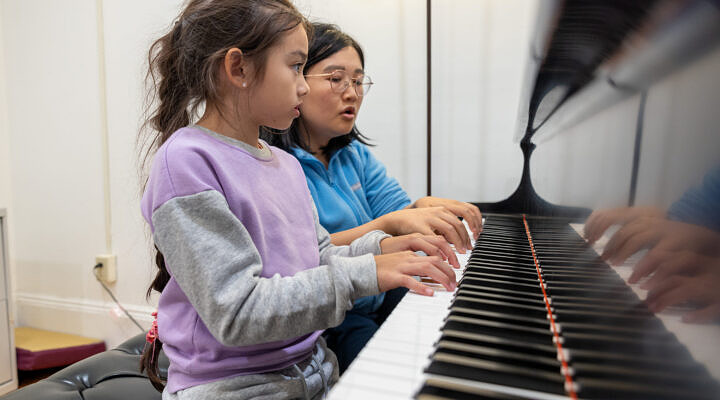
[[587, 55]]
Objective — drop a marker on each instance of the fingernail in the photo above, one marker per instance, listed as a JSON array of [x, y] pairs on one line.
[[428, 292]]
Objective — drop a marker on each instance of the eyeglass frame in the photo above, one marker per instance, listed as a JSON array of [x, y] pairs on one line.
[[346, 82]]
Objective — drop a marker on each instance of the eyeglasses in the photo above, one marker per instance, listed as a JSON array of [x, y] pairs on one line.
[[339, 82]]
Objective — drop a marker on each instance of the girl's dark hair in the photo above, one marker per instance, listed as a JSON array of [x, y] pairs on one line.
[[326, 40], [182, 75]]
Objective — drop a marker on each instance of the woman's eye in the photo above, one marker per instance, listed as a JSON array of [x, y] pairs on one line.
[[298, 67], [335, 79]]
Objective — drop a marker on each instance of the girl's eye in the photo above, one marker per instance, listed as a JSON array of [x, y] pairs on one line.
[[335, 79]]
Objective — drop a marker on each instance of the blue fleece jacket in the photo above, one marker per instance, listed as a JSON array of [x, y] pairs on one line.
[[353, 190]]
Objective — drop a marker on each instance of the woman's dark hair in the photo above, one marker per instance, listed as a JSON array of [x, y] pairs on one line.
[[183, 76], [326, 40]]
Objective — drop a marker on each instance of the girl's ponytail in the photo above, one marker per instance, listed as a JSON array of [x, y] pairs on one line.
[[153, 345]]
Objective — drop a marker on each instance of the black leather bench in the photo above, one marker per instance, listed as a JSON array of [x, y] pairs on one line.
[[110, 375]]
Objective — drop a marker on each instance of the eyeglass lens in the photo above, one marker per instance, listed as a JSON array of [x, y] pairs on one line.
[[339, 81]]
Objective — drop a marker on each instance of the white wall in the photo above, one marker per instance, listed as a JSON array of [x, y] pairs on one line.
[[57, 103], [4, 137], [479, 54]]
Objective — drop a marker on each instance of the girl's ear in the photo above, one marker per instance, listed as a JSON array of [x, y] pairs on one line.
[[237, 67]]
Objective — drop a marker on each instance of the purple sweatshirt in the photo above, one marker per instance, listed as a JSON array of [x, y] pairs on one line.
[[254, 278]]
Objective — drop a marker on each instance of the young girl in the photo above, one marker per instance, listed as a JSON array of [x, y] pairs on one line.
[[248, 276], [351, 189]]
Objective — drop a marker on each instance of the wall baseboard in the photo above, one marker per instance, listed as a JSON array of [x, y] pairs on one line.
[[83, 317]]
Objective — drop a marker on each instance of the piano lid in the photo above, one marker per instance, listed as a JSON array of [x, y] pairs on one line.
[[587, 55]]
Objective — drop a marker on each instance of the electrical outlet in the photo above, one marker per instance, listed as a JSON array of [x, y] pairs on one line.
[[108, 271]]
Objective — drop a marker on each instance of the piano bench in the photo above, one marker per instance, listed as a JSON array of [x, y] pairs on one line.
[[110, 375]]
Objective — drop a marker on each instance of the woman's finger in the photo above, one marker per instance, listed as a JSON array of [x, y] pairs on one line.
[[459, 228], [440, 226]]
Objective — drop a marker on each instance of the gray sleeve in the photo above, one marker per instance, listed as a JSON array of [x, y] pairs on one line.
[[368, 243], [212, 257]]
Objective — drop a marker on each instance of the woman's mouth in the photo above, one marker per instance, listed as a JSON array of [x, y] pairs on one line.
[[348, 112]]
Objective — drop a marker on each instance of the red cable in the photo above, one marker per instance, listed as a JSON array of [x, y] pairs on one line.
[[565, 371]]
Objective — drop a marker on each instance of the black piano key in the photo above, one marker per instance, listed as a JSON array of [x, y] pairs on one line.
[[496, 342], [497, 283], [533, 312], [656, 377], [497, 373], [492, 328], [486, 294], [550, 364], [591, 388], [509, 292], [648, 347], [435, 389], [502, 317]]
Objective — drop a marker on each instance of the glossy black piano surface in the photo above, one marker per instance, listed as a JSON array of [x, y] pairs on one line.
[[498, 328]]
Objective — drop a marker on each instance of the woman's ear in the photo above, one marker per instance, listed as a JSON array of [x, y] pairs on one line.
[[237, 67]]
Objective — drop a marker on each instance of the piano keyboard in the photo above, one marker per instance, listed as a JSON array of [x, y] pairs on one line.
[[497, 339]]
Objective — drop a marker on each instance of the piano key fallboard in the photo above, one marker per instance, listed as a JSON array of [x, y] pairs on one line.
[[538, 315]]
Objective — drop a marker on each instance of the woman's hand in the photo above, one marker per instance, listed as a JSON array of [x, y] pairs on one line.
[[397, 269], [600, 220], [432, 245], [427, 221], [467, 211]]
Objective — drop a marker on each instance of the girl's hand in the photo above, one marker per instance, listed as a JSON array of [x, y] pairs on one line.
[[432, 245], [467, 211], [600, 220], [397, 269], [427, 221]]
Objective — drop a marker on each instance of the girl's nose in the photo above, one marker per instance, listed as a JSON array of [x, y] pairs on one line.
[[303, 88]]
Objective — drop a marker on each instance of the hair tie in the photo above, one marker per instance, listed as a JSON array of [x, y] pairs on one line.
[[153, 332]]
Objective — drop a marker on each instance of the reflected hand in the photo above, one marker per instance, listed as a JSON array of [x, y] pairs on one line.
[[672, 285], [600, 220], [662, 234]]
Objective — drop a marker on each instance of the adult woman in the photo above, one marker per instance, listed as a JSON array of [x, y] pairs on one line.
[[351, 189]]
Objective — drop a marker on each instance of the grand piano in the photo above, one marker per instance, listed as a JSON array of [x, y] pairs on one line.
[[537, 314]]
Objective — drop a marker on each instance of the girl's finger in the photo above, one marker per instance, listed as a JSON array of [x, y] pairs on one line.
[[445, 248], [417, 287]]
